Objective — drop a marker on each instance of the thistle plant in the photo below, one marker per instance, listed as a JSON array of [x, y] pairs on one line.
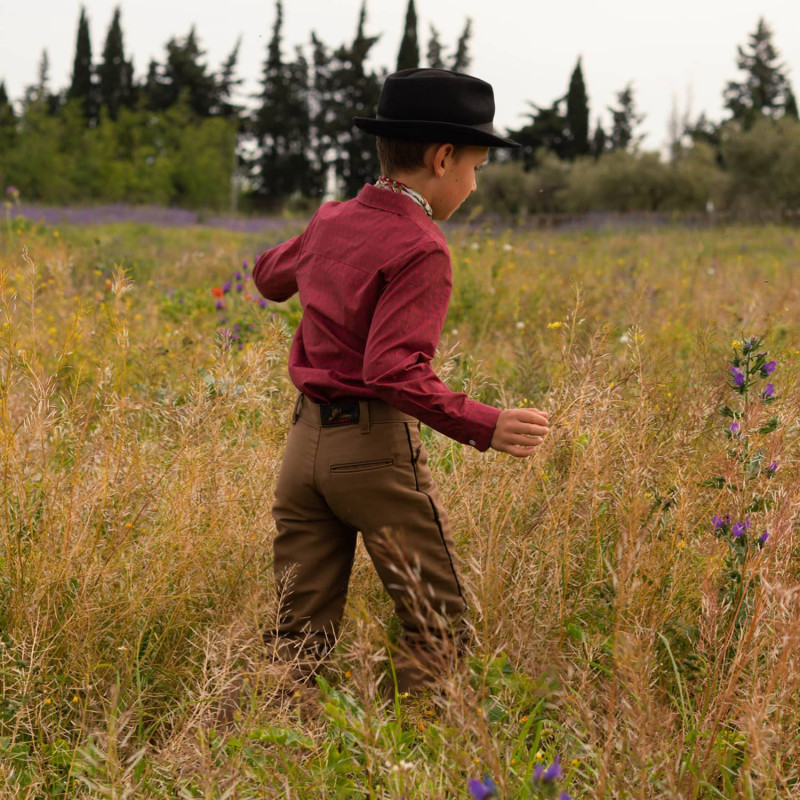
[[746, 490]]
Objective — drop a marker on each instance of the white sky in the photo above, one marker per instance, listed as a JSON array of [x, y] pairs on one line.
[[682, 51]]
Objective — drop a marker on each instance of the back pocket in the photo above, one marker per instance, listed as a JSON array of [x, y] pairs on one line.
[[363, 466]]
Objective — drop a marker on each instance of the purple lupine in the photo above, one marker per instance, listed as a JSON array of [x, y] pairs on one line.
[[738, 376], [718, 522], [763, 538], [480, 790], [769, 391]]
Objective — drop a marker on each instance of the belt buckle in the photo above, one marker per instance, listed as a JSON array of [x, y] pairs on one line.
[[345, 413]]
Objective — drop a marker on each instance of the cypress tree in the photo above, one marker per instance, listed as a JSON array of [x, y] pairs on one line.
[[578, 114], [281, 125], [462, 58], [408, 57], [624, 121], [435, 53], [82, 87], [114, 72], [8, 121], [765, 88]]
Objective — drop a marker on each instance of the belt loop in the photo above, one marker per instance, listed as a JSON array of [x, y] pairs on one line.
[[363, 415], [298, 405]]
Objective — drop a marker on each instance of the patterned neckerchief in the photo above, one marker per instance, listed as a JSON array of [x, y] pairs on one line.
[[400, 188]]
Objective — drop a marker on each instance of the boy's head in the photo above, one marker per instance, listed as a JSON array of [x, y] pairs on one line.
[[434, 127]]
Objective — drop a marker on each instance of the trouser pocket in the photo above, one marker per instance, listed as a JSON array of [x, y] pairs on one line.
[[362, 466]]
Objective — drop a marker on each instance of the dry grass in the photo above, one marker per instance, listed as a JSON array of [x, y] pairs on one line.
[[139, 452]]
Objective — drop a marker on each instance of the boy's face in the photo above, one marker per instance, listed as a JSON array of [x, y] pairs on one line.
[[455, 178]]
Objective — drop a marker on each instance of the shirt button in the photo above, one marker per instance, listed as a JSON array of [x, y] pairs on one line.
[[471, 442]]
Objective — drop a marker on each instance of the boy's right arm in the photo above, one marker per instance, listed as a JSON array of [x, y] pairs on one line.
[[275, 272]]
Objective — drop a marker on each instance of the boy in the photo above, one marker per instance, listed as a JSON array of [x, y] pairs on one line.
[[374, 279]]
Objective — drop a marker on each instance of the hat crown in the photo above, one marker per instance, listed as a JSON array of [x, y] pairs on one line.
[[436, 95]]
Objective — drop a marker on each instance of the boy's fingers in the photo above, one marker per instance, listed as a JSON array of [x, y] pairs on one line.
[[528, 429]]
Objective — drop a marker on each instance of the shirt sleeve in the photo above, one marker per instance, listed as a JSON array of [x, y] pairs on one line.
[[405, 330], [275, 272]]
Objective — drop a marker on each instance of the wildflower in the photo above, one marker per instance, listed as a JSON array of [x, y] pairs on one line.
[[12, 191], [244, 264], [223, 320], [740, 528], [549, 775], [226, 287], [738, 376], [520, 325], [736, 343], [749, 345], [769, 391], [734, 429], [769, 368], [773, 467], [564, 795], [216, 291], [763, 538], [480, 790], [555, 325], [262, 303], [239, 287], [237, 275], [719, 522], [219, 305]]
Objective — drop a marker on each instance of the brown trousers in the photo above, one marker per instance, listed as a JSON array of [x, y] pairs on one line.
[[371, 476]]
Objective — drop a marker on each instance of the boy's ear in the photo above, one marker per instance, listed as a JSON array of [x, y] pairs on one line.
[[437, 157]]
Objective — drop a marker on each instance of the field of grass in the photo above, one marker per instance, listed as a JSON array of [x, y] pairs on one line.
[[634, 587]]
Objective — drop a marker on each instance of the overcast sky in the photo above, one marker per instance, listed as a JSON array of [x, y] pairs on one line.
[[679, 52]]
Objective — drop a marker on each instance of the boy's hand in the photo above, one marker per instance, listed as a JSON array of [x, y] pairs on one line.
[[519, 431]]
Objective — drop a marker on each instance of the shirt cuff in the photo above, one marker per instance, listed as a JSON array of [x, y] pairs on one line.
[[481, 422]]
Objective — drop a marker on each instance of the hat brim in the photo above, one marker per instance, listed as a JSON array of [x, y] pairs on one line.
[[427, 131]]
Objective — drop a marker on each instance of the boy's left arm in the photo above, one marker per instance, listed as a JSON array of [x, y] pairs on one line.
[[275, 272]]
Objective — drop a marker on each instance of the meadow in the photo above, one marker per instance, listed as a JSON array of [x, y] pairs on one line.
[[634, 587]]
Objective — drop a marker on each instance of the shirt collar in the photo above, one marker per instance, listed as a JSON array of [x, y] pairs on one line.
[[401, 188]]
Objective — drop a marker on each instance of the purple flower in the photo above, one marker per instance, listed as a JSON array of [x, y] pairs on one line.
[[564, 795], [262, 302], [773, 467], [718, 522], [769, 391], [552, 773], [480, 790], [769, 367], [763, 538], [223, 320], [740, 528], [219, 305], [239, 287], [738, 376], [734, 427], [244, 264], [237, 275], [749, 345], [226, 287]]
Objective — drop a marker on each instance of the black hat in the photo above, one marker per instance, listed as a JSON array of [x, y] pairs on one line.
[[435, 105]]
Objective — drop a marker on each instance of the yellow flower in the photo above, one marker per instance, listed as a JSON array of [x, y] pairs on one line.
[[735, 343], [539, 756], [575, 762], [681, 544], [555, 325], [56, 234]]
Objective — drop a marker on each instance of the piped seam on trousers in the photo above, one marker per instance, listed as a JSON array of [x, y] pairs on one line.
[[435, 516]]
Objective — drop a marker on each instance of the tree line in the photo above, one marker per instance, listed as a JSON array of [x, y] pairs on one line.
[[178, 135]]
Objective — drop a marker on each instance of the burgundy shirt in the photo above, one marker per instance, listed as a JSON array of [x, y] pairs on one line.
[[374, 278]]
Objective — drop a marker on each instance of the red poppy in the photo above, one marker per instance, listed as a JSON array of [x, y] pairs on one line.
[[217, 292]]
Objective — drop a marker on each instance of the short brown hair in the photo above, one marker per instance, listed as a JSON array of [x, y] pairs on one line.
[[401, 155]]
